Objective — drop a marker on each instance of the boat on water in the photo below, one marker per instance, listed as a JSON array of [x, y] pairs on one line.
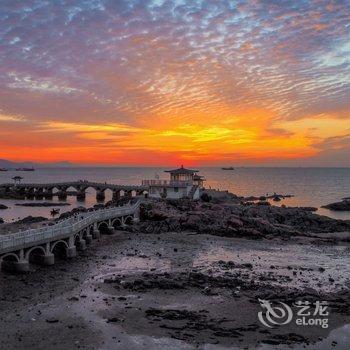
[[25, 169], [229, 168], [3, 169]]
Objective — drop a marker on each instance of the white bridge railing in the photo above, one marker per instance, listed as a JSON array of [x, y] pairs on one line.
[[65, 227]]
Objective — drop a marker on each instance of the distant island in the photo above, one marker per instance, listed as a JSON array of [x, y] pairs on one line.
[[6, 165], [229, 168]]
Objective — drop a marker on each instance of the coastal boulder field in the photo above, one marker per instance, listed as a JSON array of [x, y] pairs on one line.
[[248, 220]]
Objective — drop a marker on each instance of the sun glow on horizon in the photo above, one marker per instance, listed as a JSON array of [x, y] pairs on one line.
[[171, 83]]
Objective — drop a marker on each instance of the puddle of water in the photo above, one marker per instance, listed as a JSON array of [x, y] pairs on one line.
[[132, 265], [338, 339], [286, 259]]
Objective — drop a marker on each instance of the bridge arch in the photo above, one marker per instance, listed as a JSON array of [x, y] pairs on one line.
[[10, 257], [28, 255], [103, 227], [102, 224], [59, 249], [128, 220], [58, 243], [117, 222]]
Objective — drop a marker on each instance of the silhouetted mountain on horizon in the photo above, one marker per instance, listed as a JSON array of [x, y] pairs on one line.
[[9, 164]]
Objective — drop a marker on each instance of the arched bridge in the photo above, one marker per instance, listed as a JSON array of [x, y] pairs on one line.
[[41, 245], [48, 190]]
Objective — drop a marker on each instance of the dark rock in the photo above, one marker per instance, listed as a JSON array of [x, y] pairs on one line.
[[73, 299], [42, 204], [205, 197], [256, 221], [339, 206], [31, 219]]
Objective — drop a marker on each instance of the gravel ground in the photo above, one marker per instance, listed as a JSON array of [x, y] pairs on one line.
[[176, 291]]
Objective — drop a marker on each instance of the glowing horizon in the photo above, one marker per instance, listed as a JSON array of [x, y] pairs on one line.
[[157, 82]]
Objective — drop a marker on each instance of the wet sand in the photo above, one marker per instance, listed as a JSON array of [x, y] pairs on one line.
[[175, 291]]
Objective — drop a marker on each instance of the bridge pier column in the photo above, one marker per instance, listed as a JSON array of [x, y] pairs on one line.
[[71, 250], [20, 266], [136, 217], [96, 234], [62, 193], [122, 223], [48, 259], [82, 245], [100, 195], [39, 193], [111, 229], [116, 195], [29, 193], [88, 239], [81, 194], [48, 193]]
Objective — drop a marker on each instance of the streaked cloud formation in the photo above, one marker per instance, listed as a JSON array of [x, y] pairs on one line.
[[165, 82]]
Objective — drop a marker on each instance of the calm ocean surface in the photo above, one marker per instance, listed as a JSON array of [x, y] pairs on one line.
[[310, 186]]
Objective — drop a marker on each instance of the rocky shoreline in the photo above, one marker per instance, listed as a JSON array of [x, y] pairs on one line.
[[247, 220], [43, 204], [173, 290], [344, 205], [188, 275]]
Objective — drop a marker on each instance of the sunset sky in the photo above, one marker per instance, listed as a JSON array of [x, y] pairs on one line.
[[169, 82]]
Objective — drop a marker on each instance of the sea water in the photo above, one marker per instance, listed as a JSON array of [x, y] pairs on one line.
[[309, 186]]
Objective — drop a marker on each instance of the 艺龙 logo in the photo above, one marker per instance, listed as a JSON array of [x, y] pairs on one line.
[[274, 315], [282, 314]]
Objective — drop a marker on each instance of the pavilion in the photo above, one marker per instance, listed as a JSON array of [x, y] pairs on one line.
[[17, 179], [183, 183]]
